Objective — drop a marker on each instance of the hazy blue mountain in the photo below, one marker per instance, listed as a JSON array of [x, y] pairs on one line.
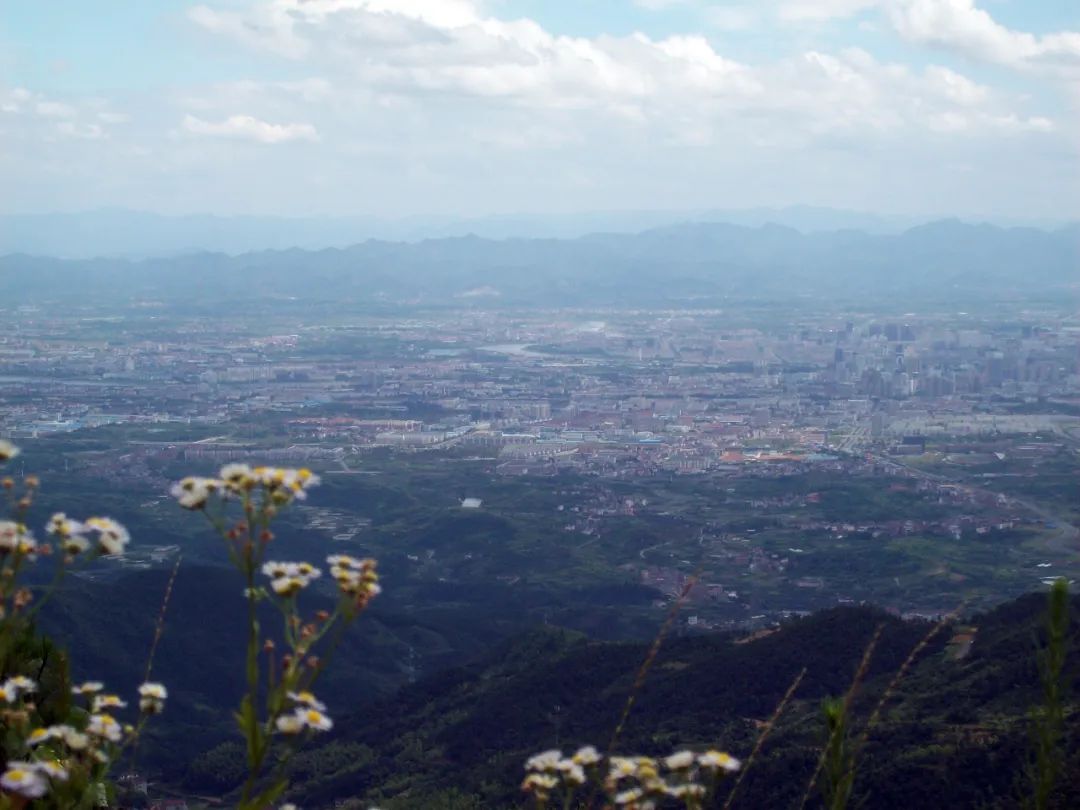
[[138, 234], [697, 262]]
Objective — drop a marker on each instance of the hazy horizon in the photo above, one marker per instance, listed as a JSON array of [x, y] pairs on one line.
[[123, 233]]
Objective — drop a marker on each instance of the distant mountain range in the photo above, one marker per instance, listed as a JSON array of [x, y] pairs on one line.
[[140, 234], [690, 264]]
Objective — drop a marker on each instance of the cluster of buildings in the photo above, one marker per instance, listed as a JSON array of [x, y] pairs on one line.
[[640, 391]]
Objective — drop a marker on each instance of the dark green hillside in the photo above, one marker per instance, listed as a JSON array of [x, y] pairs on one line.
[[107, 625], [954, 734]]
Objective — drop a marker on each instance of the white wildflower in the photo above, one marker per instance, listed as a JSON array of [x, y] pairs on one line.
[[287, 578], [539, 783], [152, 698], [63, 526], [87, 688], [74, 544], [40, 735], [307, 699], [343, 561], [315, 719], [13, 688], [75, 740], [289, 586], [70, 532], [572, 773], [679, 760], [278, 570], [713, 760], [23, 778], [284, 485], [105, 727], [112, 537], [357, 578], [153, 690], [629, 796], [587, 756], [290, 724], [237, 477], [622, 767], [193, 492], [8, 451], [16, 537], [684, 792], [53, 770], [23, 684], [101, 702], [546, 761]]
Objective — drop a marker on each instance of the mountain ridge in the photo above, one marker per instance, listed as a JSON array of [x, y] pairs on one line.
[[710, 262], [119, 232], [465, 732]]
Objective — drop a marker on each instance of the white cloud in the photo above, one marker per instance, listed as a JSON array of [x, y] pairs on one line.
[[246, 127], [276, 37], [961, 26], [62, 118], [54, 109], [443, 105], [448, 46], [679, 88], [737, 16], [659, 5], [820, 10], [71, 129], [732, 18], [955, 87]]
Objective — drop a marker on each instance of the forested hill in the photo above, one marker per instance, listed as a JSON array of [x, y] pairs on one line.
[[694, 262], [955, 733]]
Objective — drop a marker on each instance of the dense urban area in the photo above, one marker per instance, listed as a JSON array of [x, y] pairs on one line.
[[786, 461]]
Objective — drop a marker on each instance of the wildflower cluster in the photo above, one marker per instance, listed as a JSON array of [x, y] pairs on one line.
[[550, 771], [104, 536], [356, 579], [280, 486], [63, 763], [684, 779], [308, 714], [241, 504], [289, 578], [55, 755], [86, 539]]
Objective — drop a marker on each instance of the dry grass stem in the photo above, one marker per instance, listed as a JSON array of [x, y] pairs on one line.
[[159, 625], [654, 650], [764, 735], [860, 673], [916, 651]]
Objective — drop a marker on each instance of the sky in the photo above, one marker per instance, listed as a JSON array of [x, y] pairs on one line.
[[476, 107]]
